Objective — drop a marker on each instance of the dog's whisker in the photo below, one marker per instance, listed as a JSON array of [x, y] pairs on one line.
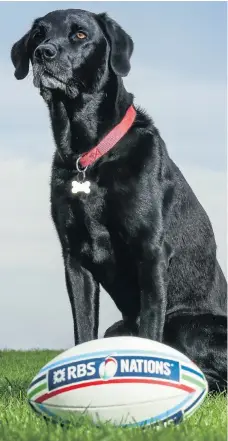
[[78, 80]]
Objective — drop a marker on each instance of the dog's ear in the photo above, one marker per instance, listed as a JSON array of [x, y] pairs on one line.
[[20, 57], [121, 45]]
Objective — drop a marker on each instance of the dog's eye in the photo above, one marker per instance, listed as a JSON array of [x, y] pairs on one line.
[[78, 36], [37, 35]]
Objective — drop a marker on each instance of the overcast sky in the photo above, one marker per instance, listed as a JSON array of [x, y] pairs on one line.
[[178, 75]]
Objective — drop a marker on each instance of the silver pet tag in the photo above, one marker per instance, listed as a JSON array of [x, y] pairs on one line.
[[78, 187]]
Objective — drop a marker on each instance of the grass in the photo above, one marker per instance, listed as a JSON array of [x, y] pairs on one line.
[[19, 423]]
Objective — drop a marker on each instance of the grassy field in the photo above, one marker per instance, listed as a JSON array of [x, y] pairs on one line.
[[19, 422]]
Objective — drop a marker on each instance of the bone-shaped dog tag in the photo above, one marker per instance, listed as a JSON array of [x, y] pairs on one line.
[[78, 187]]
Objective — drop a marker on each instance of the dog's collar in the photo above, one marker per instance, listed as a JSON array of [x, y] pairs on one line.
[[108, 142]]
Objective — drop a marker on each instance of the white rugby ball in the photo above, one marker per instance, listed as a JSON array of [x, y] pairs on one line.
[[128, 381]]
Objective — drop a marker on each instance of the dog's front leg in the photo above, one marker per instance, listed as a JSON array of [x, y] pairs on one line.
[[152, 270], [83, 292]]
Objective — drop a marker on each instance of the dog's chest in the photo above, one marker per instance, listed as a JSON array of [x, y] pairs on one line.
[[86, 228], [92, 227]]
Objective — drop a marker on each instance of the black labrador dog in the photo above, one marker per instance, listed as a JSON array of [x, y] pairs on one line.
[[125, 216]]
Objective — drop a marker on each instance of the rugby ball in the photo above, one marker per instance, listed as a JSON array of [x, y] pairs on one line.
[[128, 381]]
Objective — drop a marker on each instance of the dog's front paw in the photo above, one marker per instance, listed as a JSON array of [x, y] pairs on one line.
[[122, 328]]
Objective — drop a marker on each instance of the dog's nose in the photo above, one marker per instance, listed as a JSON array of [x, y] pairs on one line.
[[47, 51]]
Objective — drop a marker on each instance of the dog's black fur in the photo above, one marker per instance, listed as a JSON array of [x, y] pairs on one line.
[[141, 232]]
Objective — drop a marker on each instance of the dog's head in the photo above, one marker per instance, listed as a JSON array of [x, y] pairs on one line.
[[73, 51]]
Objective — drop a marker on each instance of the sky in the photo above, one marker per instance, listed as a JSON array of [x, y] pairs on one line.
[[178, 75]]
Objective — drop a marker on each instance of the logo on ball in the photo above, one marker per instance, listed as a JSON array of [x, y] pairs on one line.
[[108, 368]]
